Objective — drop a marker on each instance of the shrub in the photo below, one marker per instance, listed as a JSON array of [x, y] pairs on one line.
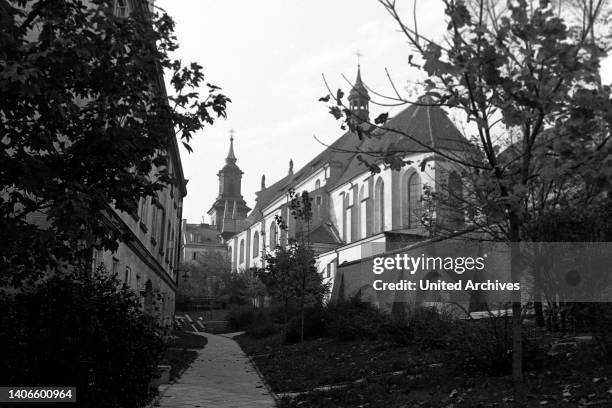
[[262, 328], [596, 318], [486, 344], [354, 319], [315, 322], [83, 331], [426, 328], [239, 318]]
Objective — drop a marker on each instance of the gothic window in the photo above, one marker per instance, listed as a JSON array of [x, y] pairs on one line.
[[411, 199], [144, 209], [154, 222], [379, 206], [363, 212], [273, 236], [317, 184], [455, 199], [241, 250], [346, 220], [122, 8], [355, 234], [255, 244]]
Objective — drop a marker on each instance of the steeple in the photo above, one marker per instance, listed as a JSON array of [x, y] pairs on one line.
[[358, 98], [231, 158], [229, 208]]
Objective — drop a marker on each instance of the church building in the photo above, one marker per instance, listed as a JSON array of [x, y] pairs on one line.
[[356, 213]]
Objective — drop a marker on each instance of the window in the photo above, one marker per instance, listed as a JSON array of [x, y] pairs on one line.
[[144, 210], [273, 236], [255, 244], [363, 212], [241, 250], [154, 224], [162, 231], [379, 206], [411, 199], [455, 199], [115, 267], [122, 8], [127, 276], [317, 184], [193, 256]]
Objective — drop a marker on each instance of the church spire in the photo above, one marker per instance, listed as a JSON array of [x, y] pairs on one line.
[[231, 158], [359, 98]]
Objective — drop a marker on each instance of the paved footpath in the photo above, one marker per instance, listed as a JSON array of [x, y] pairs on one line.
[[221, 377]]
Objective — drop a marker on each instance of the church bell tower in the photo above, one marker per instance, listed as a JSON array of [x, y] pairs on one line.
[[359, 100], [229, 209]]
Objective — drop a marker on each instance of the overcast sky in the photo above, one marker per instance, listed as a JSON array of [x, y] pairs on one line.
[[269, 57]]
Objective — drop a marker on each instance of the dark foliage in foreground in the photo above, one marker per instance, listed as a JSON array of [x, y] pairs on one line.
[[88, 332], [86, 124]]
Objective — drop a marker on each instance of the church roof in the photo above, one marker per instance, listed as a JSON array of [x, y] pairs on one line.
[[427, 125]]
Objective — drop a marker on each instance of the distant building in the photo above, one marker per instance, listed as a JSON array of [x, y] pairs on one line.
[[200, 240]]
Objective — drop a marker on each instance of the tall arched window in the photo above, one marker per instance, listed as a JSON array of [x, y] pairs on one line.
[[455, 199], [255, 244], [414, 200], [317, 184], [363, 212], [241, 250], [273, 236], [379, 206]]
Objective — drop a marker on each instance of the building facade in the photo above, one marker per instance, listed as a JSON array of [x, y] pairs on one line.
[[356, 213], [148, 262]]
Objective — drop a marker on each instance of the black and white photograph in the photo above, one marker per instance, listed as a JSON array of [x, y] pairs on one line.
[[294, 204]]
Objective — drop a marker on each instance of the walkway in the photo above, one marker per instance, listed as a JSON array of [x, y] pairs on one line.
[[220, 377]]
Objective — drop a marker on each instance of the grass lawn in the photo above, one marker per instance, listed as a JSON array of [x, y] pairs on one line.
[[378, 373], [187, 340], [178, 360]]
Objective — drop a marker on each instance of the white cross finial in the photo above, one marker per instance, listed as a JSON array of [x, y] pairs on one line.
[[359, 55], [232, 131]]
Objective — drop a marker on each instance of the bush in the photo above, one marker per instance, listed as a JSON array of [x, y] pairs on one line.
[[81, 331], [486, 344], [426, 328], [240, 318], [315, 323], [354, 319], [262, 328], [595, 318]]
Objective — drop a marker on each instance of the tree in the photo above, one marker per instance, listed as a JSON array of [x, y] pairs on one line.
[[528, 85], [290, 274], [87, 331], [85, 123], [205, 275]]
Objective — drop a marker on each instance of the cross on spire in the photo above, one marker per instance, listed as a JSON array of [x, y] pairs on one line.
[[232, 131], [359, 55]]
